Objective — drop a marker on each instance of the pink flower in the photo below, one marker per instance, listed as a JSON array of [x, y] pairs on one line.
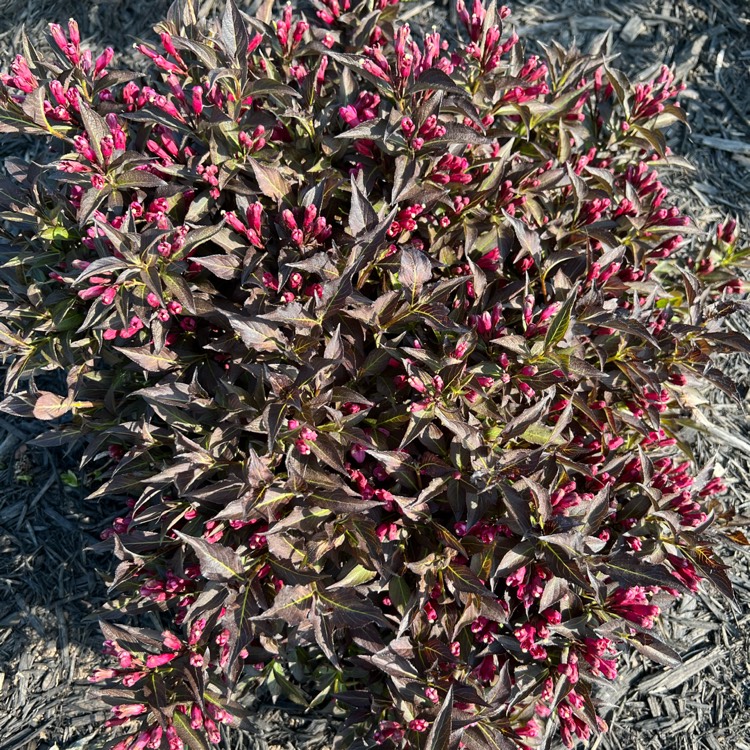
[[526, 636], [570, 668], [429, 608], [127, 710], [99, 675], [154, 661], [358, 453], [388, 531], [171, 641], [131, 679], [601, 655], [308, 434], [303, 447], [632, 604], [490, 261], [389, 730], [484, 630], [108, 297], [684, 571], [486, 670], [530, 729]]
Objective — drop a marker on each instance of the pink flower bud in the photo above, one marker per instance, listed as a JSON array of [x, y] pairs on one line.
[[92, 292], [103, 61], [197, 99], [58, 36], [75, 36], [196, 717]]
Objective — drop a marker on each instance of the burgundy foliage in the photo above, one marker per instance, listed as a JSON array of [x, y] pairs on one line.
[[387, 346]]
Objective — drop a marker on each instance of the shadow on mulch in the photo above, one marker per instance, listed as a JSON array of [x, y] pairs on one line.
[[49, 593], [50, 587]]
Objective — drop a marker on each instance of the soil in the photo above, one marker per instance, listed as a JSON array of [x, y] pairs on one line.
[[51, 581]]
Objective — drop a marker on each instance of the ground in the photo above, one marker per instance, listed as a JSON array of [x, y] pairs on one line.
[[50, 587]]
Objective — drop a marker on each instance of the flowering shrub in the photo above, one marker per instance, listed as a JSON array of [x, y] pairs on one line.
[[381, 343]]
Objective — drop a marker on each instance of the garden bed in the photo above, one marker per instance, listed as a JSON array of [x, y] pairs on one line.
[[49, 586]]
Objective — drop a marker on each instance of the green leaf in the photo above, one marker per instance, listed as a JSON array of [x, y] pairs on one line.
[[207, 55], [528, 238], [546, 112], [357, 576], [465, 580], [539, 434], [289, 689], [199, 236], [55, 233], [362, 216], [33, 106], [328, 452], [558, 328], [399, 593], [192, 738], [527, 419]]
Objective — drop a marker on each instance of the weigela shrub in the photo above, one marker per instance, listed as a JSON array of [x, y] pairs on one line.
[[380, 340]]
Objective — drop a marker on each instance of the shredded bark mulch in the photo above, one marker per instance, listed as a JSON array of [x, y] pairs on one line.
[[51, 585]]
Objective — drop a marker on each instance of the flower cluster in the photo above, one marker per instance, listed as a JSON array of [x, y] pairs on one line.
[[386, 346]]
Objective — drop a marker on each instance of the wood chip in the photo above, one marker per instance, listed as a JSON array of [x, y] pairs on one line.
[[633, 29], [723, 144], [669, 680]]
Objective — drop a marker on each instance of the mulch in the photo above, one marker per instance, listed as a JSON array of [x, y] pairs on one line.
[[52, 581]]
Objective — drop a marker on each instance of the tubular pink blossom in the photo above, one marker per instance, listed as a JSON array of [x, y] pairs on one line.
[[127, 710], [154, 661]]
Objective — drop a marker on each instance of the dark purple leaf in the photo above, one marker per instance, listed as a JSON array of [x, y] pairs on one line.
[[440, 731], [217, 562]]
